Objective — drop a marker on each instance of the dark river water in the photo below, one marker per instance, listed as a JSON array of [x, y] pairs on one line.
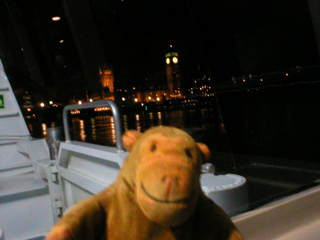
[[199, 122]]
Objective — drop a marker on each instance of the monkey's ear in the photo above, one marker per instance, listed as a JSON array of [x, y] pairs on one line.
[[205, 151], [129, 138]]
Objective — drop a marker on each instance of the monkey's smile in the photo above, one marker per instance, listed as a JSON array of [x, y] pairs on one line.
[[183, 200]]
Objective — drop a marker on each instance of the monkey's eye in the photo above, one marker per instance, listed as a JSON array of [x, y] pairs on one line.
[[188, 152], [153, 148]]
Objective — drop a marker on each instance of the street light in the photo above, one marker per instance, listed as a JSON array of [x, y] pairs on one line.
[[55, 18]]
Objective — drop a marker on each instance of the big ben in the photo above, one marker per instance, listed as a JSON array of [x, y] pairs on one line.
[[173, 72]]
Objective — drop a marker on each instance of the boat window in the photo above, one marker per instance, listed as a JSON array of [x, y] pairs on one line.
[[241, 76]]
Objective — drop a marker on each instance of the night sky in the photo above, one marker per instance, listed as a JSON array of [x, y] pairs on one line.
[[222, 38], [226, 38]]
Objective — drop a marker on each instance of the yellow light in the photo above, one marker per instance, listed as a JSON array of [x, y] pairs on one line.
[[123, 99], [168, 61], [42, 104], [79, 102], [55, 18], [158, 99], [51, 102], [175, 60], [136, 99], [29, 109]]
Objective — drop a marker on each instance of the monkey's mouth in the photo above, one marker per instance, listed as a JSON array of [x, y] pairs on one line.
[[182, 200]]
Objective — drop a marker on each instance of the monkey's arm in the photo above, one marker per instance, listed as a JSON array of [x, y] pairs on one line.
[[214, 223], [85, 220]]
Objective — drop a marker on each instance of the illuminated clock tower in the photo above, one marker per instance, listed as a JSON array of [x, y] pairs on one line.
[[173, 72], [107, 82]]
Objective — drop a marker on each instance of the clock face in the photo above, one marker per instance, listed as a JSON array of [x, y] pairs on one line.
[[168, 61], [175, 60]]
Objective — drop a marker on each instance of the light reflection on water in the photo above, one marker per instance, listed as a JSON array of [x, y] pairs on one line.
[[101, 129], [44, 129]]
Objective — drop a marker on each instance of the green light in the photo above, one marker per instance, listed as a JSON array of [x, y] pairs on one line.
[[172, 54]]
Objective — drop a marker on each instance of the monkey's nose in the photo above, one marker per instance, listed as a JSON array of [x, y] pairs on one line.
[[171, 183]]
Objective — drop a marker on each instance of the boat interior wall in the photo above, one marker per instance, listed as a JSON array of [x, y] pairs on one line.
[[13, 125], [13, 128], [291, 218]]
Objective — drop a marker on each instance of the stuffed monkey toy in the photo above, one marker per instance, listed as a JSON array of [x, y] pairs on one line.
[[157, 195]]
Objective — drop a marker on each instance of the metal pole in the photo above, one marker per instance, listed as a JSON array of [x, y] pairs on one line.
[[54, 136]]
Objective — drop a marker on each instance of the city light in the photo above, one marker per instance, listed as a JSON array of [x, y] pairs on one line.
[[76, 111], [42, 104], [56, 18], [175, 60], [100, 109], [79, 102], [50, 102], [123, 99], [90, 100]]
